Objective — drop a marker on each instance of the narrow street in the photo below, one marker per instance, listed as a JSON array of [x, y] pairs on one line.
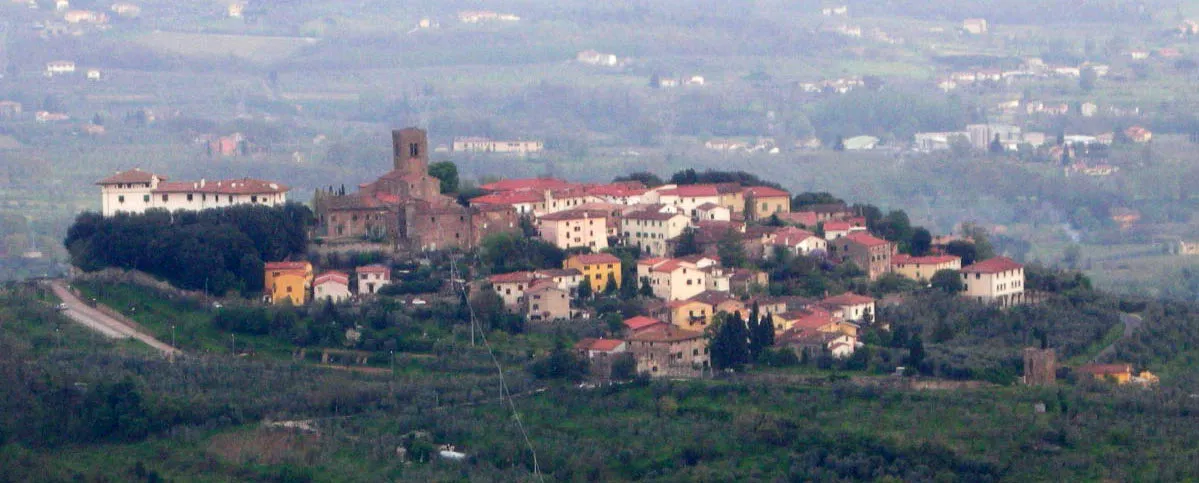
[[79, 311]]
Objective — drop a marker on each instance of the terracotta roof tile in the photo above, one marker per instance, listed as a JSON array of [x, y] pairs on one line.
[[993, 265], [595, 258], [847, 298], [641, 322], [135, 175]]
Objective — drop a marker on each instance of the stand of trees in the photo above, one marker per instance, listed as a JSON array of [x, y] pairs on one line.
[[218, 250]]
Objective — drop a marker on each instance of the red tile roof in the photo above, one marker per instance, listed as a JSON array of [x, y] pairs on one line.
[[837, 226], [617, 189], [244, 186], [805, 218], [641, 322], [791, 236], [766, 192], [993, 265], [693, 190], [327, 277], [525, 184], [668, 266], [135, 175], [847, 298], [807, 319], [373, 269], [602, 345], [574, 215], [509, 198], [287, 266], [665, 333], [595, 258], [866, 239], [514, 277], [903, 259]]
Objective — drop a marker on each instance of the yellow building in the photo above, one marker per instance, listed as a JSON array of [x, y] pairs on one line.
[[597, 267], [288, 281], [764, 201], [923, 268]]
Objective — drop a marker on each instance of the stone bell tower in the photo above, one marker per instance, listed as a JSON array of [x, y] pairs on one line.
[[410, 148]]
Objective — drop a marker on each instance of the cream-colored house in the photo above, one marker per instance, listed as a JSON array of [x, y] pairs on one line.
[[652, 230], [999, 280], [849, 306], [682, 278], [511, 287], [545, 301], [713, 212], [333, 286], [668, 351], [923, 268], [136, 191], [796, 241], [575, 229]]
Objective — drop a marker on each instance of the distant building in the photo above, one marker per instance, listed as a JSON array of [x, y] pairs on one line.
[[84, 16], [59, 67], [975, 26], [764, 201], [871, 254], [371, 278], [860, 143], [922, 269], [652, 231], [331, 286], [669, 351], [136, 191], [128, 10], [10, 109], [480, 16], [485, 145], [592, 57], [998, 280], [546, 301], [287, 282], [575, 229], [235, 10], [1040, 367]]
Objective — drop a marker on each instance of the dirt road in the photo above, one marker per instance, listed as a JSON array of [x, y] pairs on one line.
[[110, 327]]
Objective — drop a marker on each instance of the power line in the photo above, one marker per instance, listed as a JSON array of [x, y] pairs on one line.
[[505, 393]]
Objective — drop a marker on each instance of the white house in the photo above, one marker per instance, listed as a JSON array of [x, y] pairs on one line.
[[334, 286], [371, 278]]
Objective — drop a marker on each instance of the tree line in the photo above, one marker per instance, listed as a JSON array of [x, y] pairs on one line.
[[218, 250]]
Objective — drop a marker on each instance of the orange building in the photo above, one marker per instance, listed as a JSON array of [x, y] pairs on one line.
[[288, 281]]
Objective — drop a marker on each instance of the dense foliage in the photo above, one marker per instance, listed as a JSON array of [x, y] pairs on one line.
[[218, 250]]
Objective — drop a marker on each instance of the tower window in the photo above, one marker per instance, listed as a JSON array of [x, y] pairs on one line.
[[414, 150]]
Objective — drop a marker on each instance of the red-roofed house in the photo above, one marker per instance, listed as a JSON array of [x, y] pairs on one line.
[[871, 254], [596, 267], [639, 323], [333, 286], [599, 348], [712, 212], [806, 219], [764, 201], [998, 280], [680, 279], [796, 241], [850, 306], [686, 197], [838, 228], [371, 278], [922, 268]]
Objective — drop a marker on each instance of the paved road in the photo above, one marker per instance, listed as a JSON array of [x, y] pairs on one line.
[[1131, 323], [81, 312]]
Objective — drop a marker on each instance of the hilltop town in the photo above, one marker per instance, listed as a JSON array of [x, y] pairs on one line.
[[692, 256]]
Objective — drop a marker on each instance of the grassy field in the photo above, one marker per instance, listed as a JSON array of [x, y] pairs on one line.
[[250, 47]]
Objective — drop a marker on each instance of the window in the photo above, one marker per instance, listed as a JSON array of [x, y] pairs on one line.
[[230, 198], [414, 150], [121, 199], [253, 198], [189, 197], [166, 197]]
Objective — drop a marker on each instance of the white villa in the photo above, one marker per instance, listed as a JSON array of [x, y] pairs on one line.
[[136, 191]]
